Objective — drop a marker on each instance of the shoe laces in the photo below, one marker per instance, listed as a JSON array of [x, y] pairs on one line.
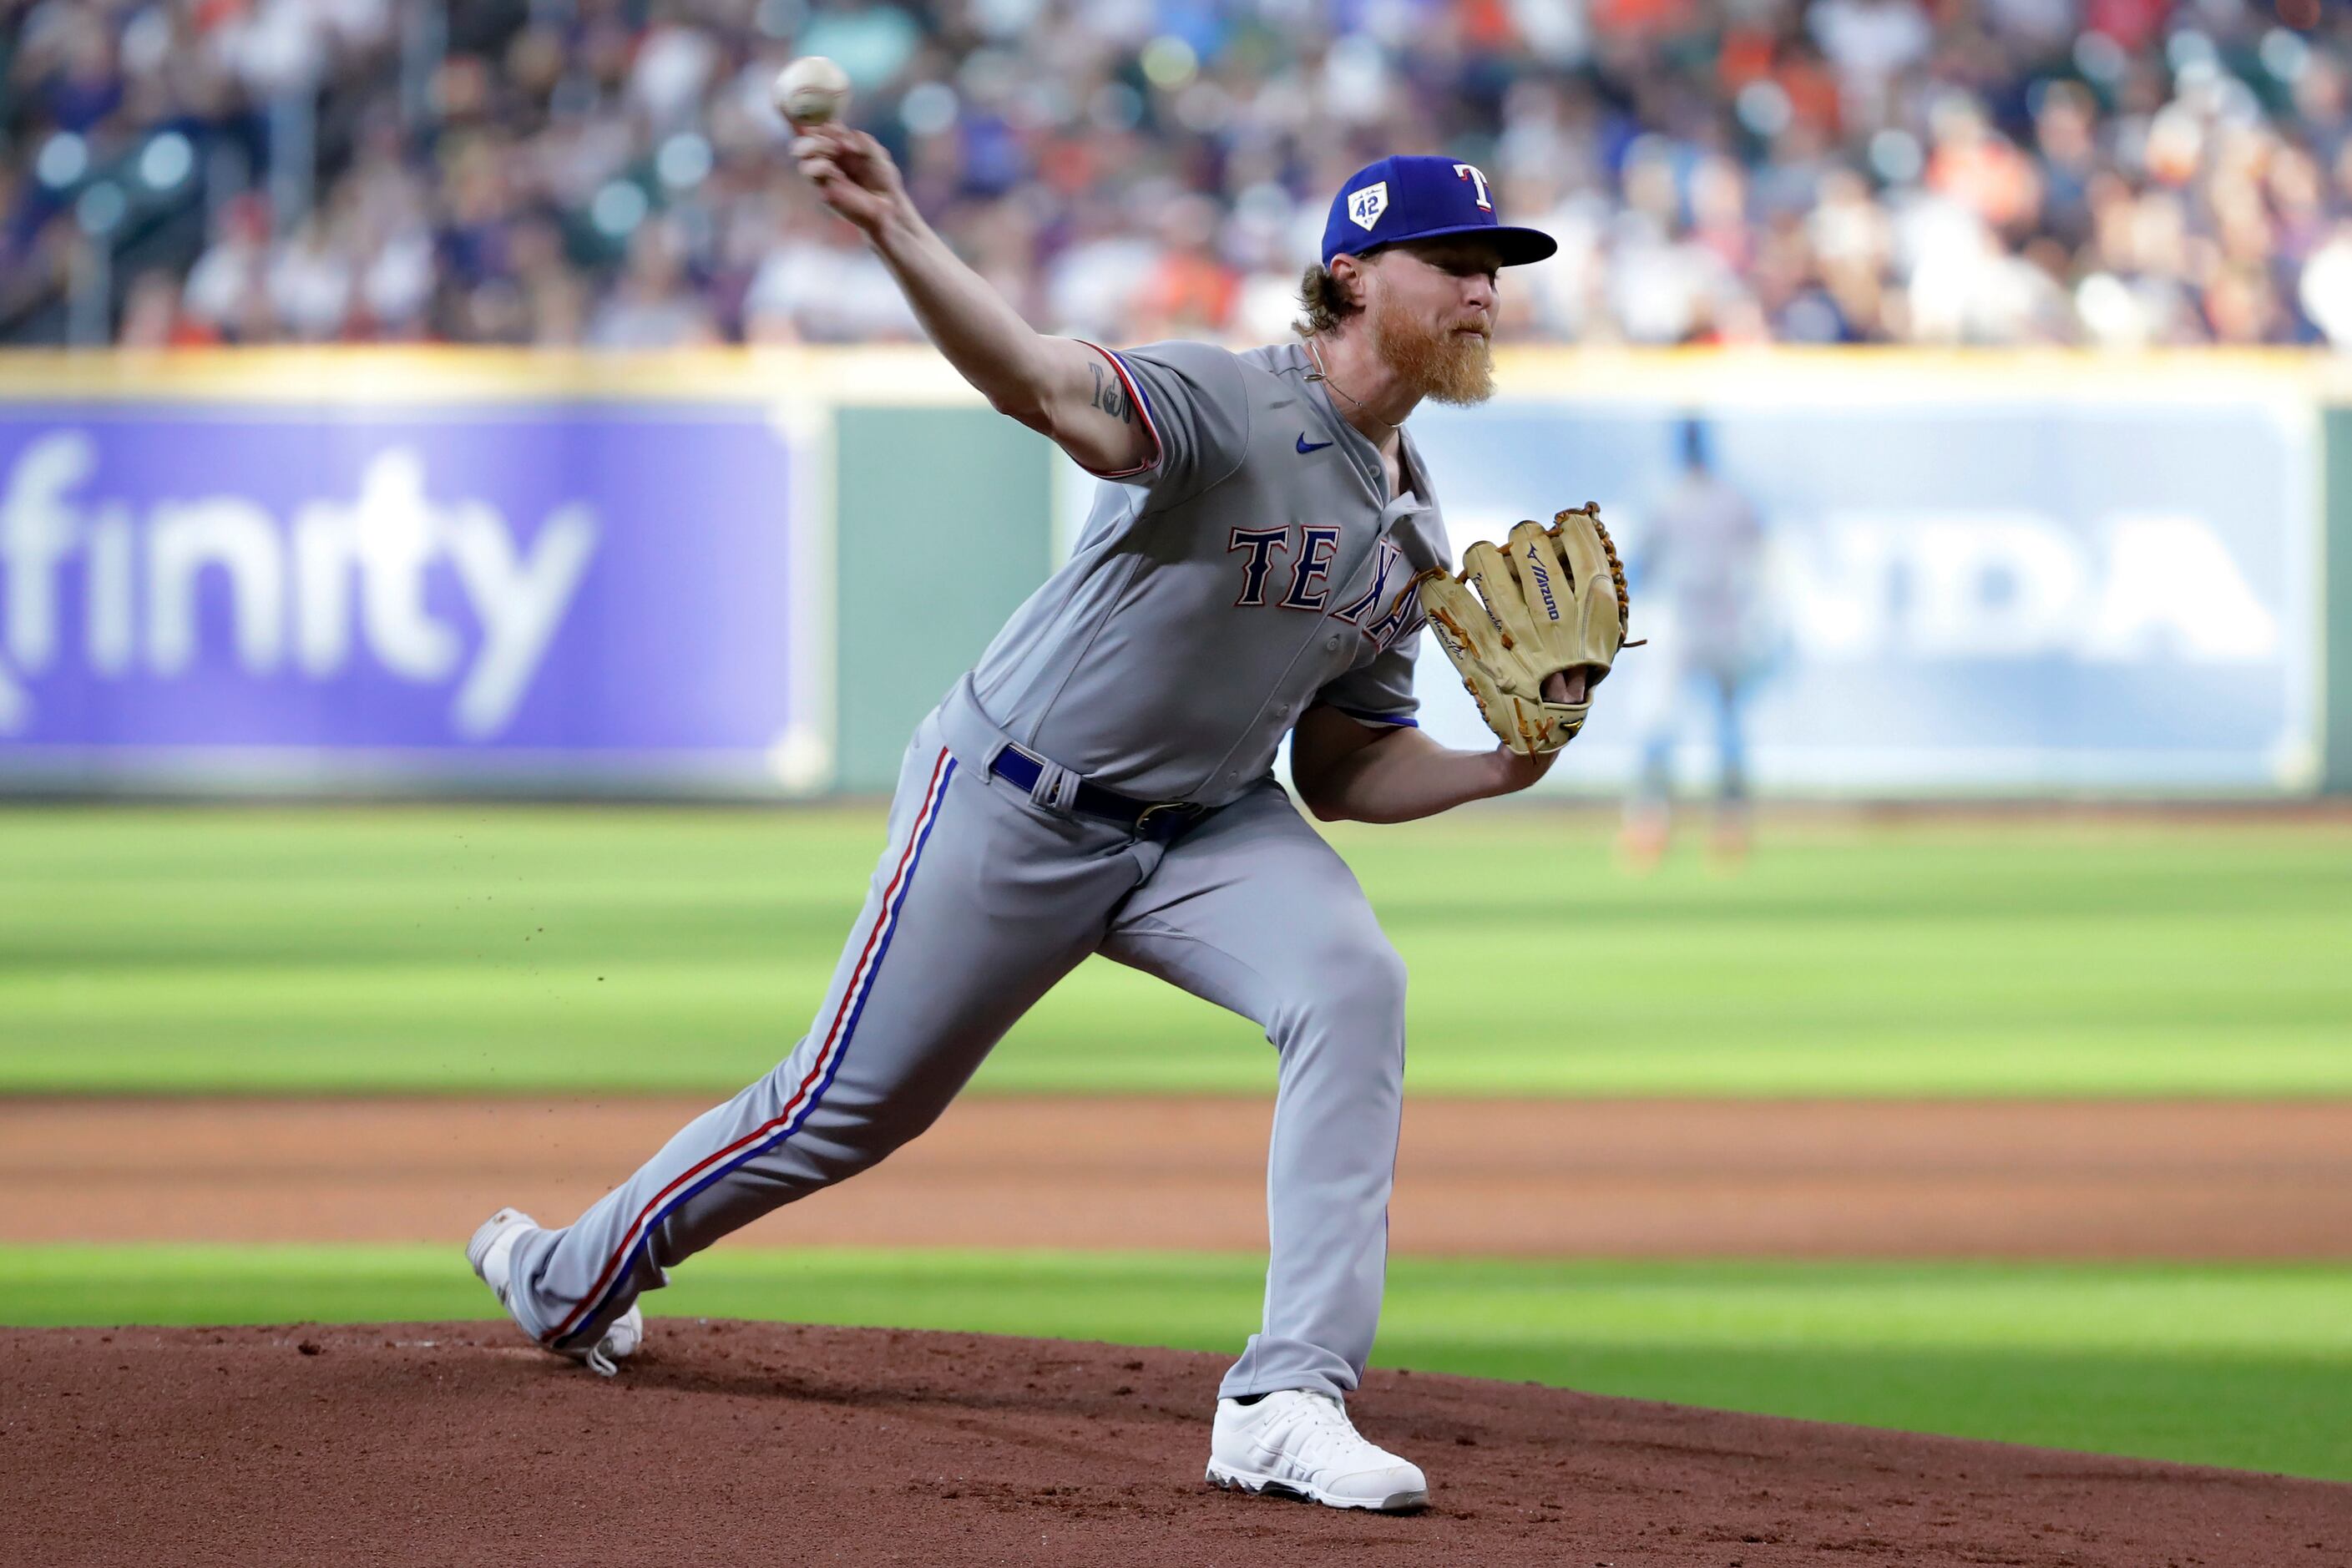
[[600, 1362], [1322, 1421]]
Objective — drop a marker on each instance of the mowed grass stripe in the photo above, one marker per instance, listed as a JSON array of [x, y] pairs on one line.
[[2243, 1366], [522, 949]]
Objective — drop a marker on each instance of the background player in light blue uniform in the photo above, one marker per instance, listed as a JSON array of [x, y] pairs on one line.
[[1102, 782]]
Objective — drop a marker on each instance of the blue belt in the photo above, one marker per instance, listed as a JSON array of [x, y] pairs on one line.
[[1153, 819]]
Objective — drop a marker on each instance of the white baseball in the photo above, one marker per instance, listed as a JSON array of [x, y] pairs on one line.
[[812, 91]]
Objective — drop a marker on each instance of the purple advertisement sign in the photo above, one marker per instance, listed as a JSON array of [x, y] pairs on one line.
[[586, 595]]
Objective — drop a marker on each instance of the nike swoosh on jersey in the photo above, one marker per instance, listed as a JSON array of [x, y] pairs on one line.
[[1306, 447]]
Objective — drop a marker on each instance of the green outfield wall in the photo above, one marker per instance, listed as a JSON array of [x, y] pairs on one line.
[[944, 524]]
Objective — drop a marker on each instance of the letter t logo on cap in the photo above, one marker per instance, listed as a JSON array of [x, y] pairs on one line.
[[1470, 172]]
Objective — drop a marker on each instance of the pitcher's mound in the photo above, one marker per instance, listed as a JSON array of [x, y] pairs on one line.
[[727, 1443]]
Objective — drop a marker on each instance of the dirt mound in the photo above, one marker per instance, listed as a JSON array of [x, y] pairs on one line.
[[730, 1443]]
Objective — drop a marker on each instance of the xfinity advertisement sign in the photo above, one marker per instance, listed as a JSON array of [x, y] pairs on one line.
[[559, 597]]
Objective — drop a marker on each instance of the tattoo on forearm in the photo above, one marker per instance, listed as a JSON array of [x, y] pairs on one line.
[[1111, 397]]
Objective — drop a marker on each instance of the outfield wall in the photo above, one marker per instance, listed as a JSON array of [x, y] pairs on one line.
[[2334, 575], [748, 574]]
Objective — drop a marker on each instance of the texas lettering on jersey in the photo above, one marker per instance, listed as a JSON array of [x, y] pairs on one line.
[[1389, 601]]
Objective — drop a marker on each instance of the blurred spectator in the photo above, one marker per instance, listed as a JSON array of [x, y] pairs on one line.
[[227, 289], [2104, 172], [1871, 44], [820, 283], [653, 305], [151, 316]]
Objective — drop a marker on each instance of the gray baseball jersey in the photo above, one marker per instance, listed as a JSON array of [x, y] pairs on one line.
[[1253, 567], [1256, 567]]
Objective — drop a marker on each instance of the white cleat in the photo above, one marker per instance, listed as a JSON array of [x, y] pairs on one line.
[[492, 1255], [1298, 1443]]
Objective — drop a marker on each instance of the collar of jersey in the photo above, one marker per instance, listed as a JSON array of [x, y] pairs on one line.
[[1358, 445]]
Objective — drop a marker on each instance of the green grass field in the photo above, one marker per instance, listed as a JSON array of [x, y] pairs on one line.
[[2242, 1366], [520, 948]]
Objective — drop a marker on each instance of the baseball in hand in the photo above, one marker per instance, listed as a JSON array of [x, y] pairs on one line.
[[812, 91]]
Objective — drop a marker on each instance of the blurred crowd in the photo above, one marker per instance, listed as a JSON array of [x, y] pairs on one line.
[[610, 172]]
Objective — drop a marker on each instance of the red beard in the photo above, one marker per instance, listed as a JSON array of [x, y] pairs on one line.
[[1445, 367]]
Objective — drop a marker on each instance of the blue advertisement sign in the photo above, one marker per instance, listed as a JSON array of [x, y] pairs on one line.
[[558, 595], [2000, 595]]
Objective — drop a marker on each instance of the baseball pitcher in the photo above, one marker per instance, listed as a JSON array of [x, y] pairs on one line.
[[1262, 550]]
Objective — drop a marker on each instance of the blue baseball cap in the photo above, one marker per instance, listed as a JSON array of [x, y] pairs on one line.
[[1416, 198]]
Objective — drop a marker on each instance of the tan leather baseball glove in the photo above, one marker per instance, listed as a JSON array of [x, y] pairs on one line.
[[1553, 599]]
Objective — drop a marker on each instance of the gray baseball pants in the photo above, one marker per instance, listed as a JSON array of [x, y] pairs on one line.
[[983, 899]]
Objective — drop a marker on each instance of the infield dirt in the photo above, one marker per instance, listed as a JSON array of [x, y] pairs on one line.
[[729, 1443], [738, 1443], [2071, 1178]]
